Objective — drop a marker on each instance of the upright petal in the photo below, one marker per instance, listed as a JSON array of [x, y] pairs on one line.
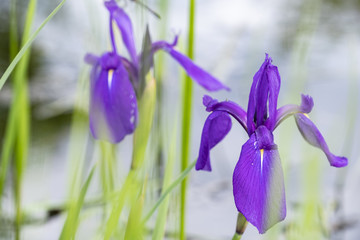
[[203, 78], [274, 88], [313, 136], [216, 127], [258, 97], [124, 23], [258, 182], [113, 107]]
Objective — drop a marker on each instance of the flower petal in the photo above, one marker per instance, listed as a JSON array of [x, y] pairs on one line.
[[216, 127], [124, 23], [288, 110], [274, 88], [263, 96], [203, 78], [226, 106], [258, 182], [113, 106], [313, 136]]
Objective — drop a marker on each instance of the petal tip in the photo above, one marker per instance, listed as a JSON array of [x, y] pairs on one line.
[[338, 161], [209, 102], [307, 103]]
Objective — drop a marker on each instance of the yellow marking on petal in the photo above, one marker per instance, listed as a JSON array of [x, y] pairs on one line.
[[305, 114], [261, 158], [110, 77]]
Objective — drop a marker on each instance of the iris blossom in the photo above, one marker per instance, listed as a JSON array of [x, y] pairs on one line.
[[117, 82], [258, 182]]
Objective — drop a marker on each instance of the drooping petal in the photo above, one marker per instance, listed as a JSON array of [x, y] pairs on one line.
[[258, 182], [91, 59], [216, 127], [286, 111], [229, 107], [203, 78], [113, 107], [124, 23], [313, 136]]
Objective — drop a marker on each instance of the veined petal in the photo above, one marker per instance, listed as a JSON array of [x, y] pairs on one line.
[[313, 136], [203, 78], [113, 106], [274, 88], [216, 127], [286, 111], [229, 107], [124, 23], [258, 97], [258, 182]]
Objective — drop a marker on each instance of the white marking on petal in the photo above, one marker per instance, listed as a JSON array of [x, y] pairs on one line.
[[110, 77]]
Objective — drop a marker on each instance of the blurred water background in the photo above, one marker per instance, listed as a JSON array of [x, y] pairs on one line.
[[314, 43]]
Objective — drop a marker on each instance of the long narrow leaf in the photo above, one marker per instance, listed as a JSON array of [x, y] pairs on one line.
[[26, 46], [169, 189]]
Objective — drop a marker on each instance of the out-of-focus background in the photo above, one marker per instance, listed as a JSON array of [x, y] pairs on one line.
[[314, 43]]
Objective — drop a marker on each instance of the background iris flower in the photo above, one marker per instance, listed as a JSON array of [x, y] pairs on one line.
[[117, 82], [258, 182]]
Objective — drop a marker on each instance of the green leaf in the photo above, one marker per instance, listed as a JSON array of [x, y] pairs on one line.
[[71, 223]]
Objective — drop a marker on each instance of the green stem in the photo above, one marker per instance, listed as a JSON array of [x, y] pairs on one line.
[[186, 121], [240, 227]]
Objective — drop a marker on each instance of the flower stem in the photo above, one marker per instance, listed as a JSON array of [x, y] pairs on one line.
[[112, 35], [240, 227], [186, 121]]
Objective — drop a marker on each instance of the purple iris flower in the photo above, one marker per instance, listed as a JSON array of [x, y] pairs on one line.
[[258, 182], [117, 82]]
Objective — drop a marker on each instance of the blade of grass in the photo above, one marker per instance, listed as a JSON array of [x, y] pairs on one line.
[[146, 113], [159, 229], [22, 107], [9, 136], [135, 227], [140, 141], [71, 223], [26, 46], [168, 190], [186, 123]]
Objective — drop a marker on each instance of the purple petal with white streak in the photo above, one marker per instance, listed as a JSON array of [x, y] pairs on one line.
[[313, 136], [113, 106], [258, 182], [216, 127]]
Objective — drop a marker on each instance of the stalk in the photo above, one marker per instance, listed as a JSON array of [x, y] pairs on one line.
[[186, 121], [240, 227]]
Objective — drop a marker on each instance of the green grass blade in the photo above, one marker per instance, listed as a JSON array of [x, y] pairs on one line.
[[123, 195], [141, 136], [71, 223], [168, 190], [14, 38], [146, 113], [186, 121], [26, 46], [159, 229], [135, 227]]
